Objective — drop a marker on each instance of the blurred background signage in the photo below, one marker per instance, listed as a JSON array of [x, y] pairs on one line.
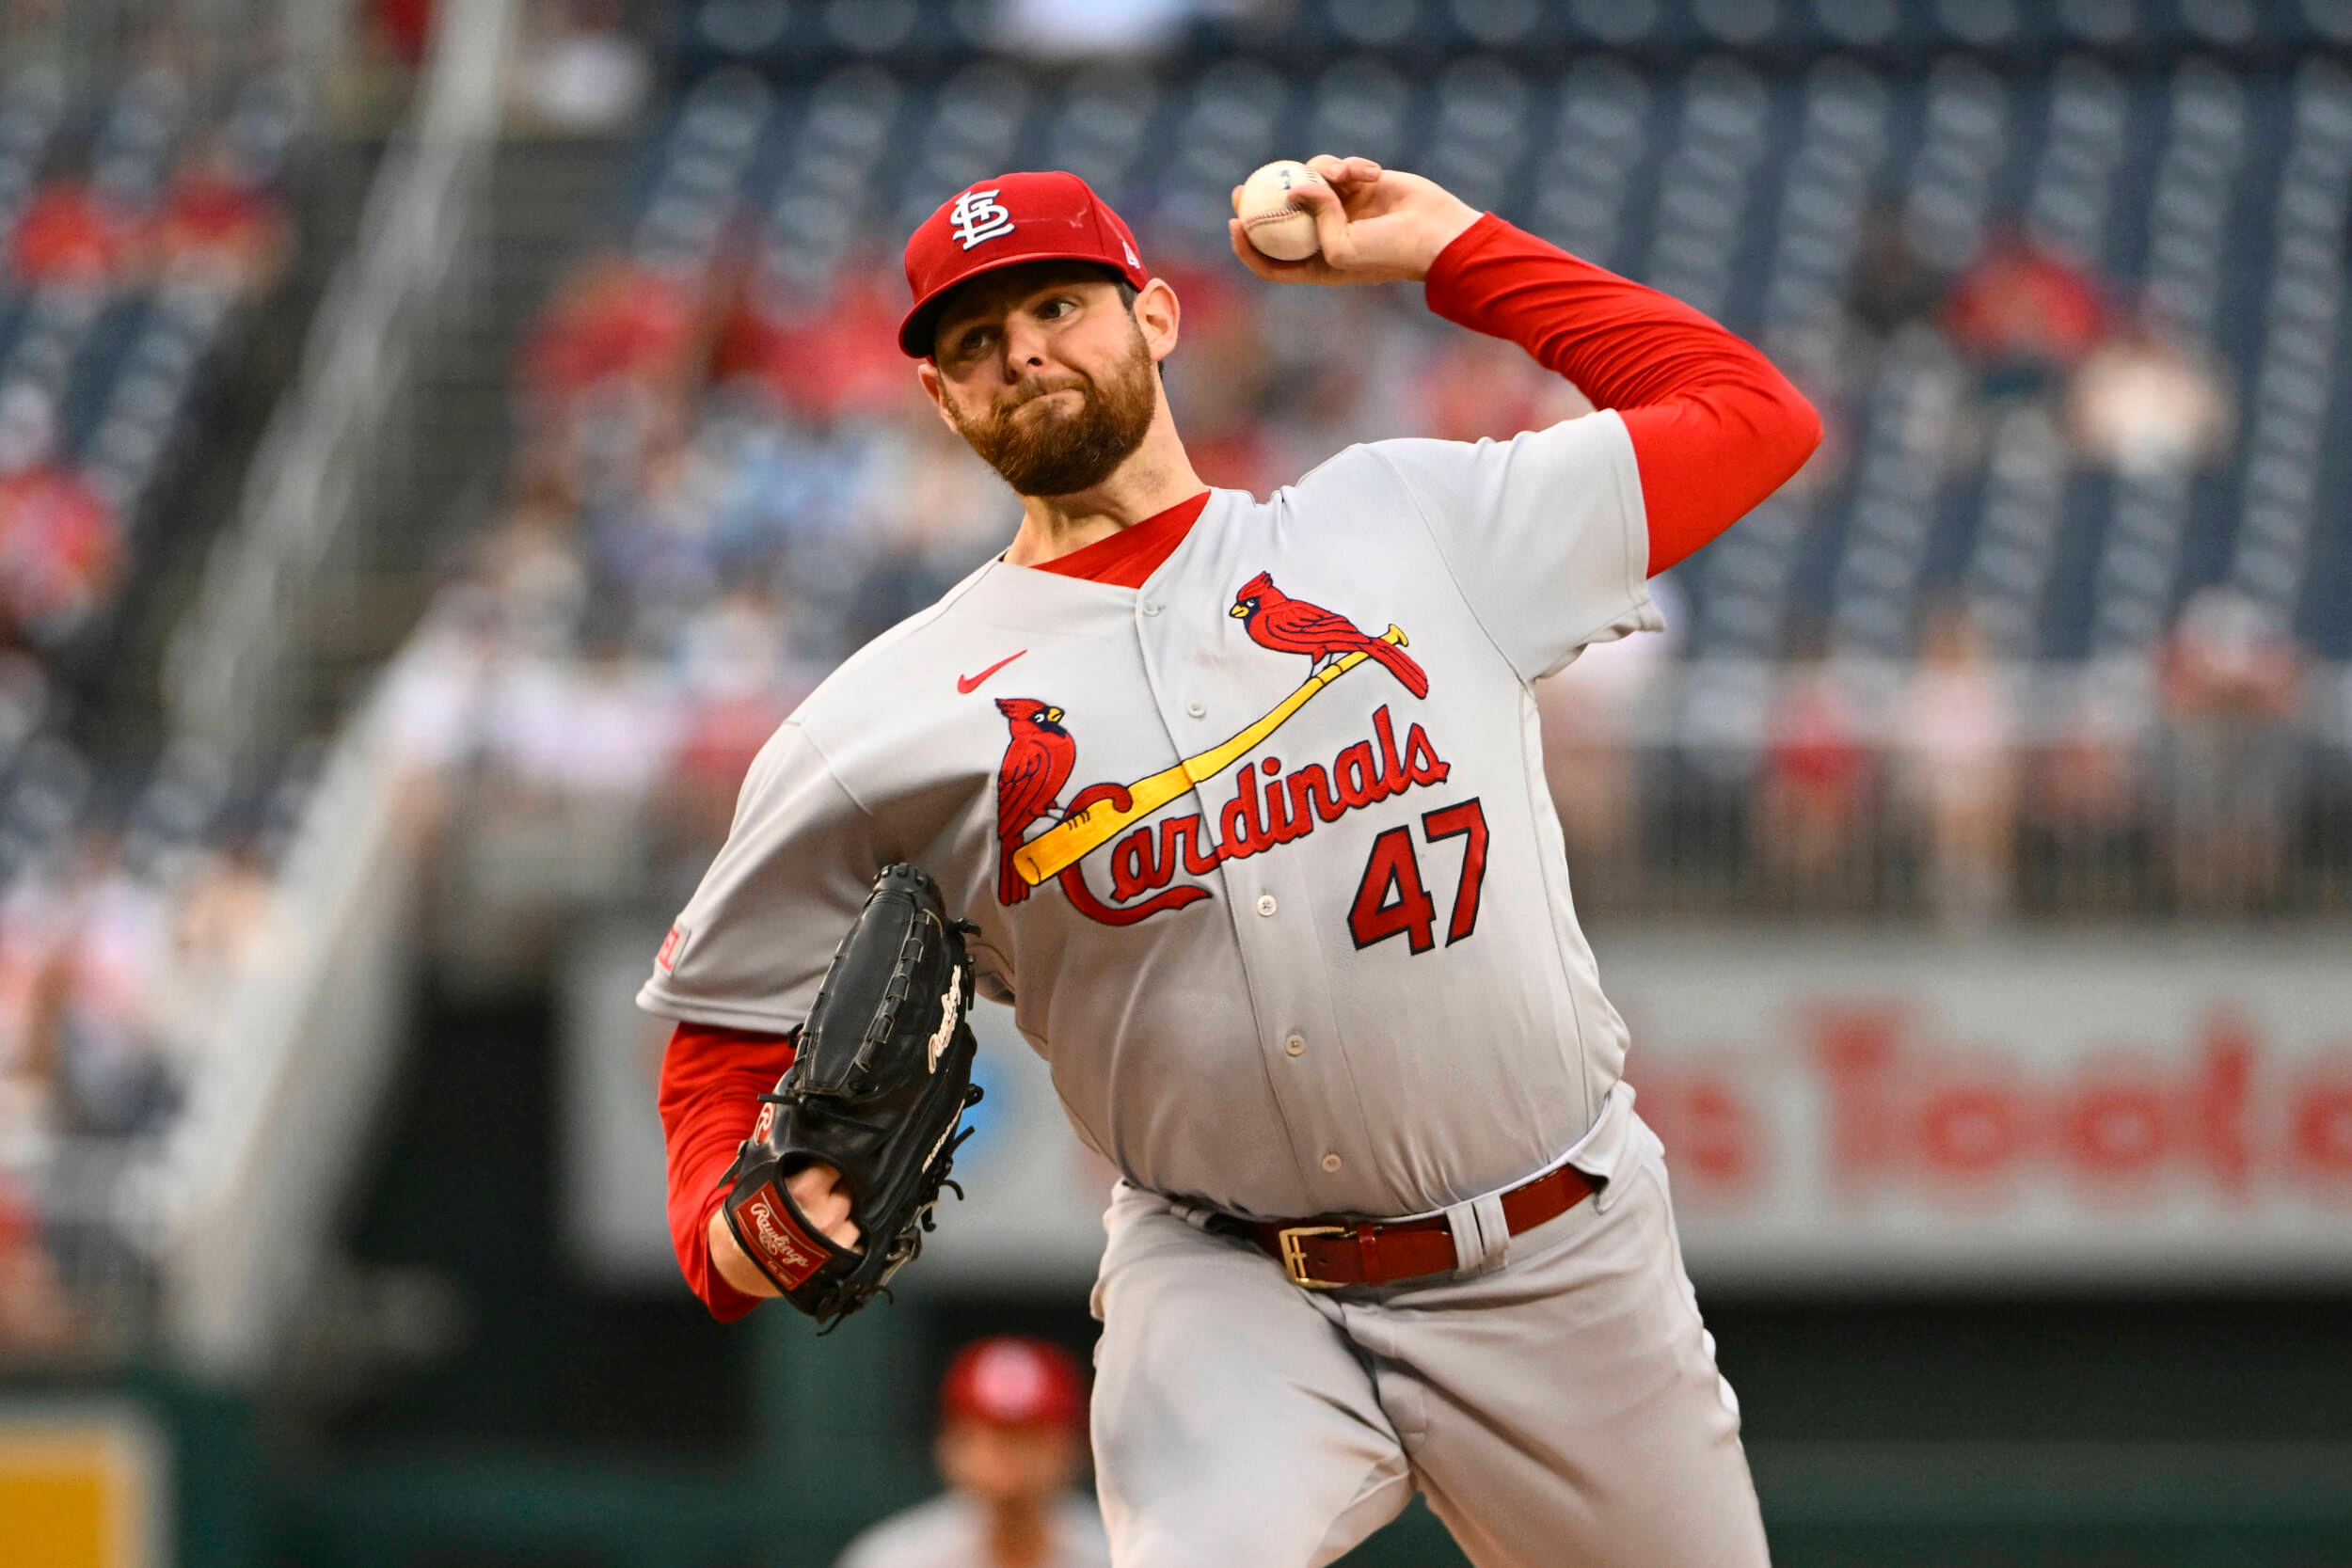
[[2072, 1107], [1837, 1109]]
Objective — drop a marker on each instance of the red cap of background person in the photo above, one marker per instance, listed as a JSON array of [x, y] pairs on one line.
[[1009, 1382], [1051, 217]]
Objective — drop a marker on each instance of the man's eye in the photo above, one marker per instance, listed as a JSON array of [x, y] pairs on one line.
[[1054, 308]]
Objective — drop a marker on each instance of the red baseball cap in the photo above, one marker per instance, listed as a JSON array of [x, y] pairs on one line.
[[1049, 217], [1009, 1382]]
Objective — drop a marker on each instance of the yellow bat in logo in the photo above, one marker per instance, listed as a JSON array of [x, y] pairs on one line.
[[1070, 841]]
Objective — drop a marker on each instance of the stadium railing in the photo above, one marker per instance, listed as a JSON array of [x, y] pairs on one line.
[[233, 667]]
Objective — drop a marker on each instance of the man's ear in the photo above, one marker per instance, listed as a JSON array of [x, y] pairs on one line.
[[1157, 317], [927, 371]]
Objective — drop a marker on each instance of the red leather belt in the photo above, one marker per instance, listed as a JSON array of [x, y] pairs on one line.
[[1326, 1254]]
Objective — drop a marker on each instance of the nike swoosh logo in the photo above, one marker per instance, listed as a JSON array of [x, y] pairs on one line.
[[966, 685]]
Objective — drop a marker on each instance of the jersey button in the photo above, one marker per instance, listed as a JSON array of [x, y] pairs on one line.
[[1295, 1045], [1331, 1162], [1197, 707], [1265, 903], [1150, 608]]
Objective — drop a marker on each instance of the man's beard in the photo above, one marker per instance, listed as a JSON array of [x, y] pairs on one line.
[[1049, 451]]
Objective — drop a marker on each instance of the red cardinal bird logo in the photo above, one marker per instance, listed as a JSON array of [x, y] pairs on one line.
[[1029, 782], [1288, 626]]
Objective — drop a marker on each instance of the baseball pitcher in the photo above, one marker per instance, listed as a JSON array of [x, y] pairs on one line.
[[1239, 804]]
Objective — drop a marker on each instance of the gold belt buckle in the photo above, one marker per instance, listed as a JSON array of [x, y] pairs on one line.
[[1295, 1255]]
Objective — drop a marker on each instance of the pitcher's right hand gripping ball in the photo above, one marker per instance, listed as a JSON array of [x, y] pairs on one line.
[[1372, 225], [877, 1090], [1274, 224]]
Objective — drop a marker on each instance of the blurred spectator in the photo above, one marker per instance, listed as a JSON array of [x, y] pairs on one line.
[[1480, 388], [1892, 285], [1819, 784], [1221, 384], [92, 1024], [61, 542], [388, 41], [930, 530], [2141, 405], [1011, 1445], [582, 69], [1594, 713], [220, 226], [433, 694], [955, 512], [820, 359], [111, 970], [531, 563], [31, 925], [37, 1317], [738, 688], [656, 540], [1957, 771], [1349, 365], [613, 319], [223, 902], [25, 695], [2088, 795], [597, 727], [2026, 315], [70, 235], [2229, 681], [402, 28]]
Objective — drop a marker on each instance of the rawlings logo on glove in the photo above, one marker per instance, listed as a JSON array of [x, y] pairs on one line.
[[782, 1250]]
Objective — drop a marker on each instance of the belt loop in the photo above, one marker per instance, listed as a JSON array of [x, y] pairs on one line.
[[1193, 1214], [1482, 1237]]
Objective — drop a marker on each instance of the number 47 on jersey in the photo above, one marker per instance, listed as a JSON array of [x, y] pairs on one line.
[[1392, 899]]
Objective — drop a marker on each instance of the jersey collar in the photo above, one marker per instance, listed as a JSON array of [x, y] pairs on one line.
[[1035, 597], [1127, 558]]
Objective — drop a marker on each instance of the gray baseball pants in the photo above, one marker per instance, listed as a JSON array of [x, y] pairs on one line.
[[1561, 1410]]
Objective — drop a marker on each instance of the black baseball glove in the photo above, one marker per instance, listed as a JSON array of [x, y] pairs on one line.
[[877, 1090]]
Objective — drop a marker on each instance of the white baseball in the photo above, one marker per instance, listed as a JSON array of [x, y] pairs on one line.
[[1276, 224]]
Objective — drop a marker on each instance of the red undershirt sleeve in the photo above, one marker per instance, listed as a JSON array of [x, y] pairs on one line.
[[712, 1081], [1715, 428]]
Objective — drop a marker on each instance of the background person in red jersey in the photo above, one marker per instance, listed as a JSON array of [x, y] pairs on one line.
[[220, 226], [1012, 1446], [72, 236], [60, 541]]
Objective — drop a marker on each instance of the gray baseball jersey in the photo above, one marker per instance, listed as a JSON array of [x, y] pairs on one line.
[[951, 1531], [1261, 852]]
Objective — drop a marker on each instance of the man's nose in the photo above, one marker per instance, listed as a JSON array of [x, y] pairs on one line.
[[1025, 348]]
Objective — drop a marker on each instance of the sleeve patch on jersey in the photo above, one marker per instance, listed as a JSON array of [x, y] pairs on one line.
[[673, 948]]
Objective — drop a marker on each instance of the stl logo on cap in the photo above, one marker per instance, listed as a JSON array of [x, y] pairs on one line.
[[1059, 220], [978, 215]]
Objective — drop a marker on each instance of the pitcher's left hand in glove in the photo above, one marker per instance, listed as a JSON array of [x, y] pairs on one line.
[[877, 1090]]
